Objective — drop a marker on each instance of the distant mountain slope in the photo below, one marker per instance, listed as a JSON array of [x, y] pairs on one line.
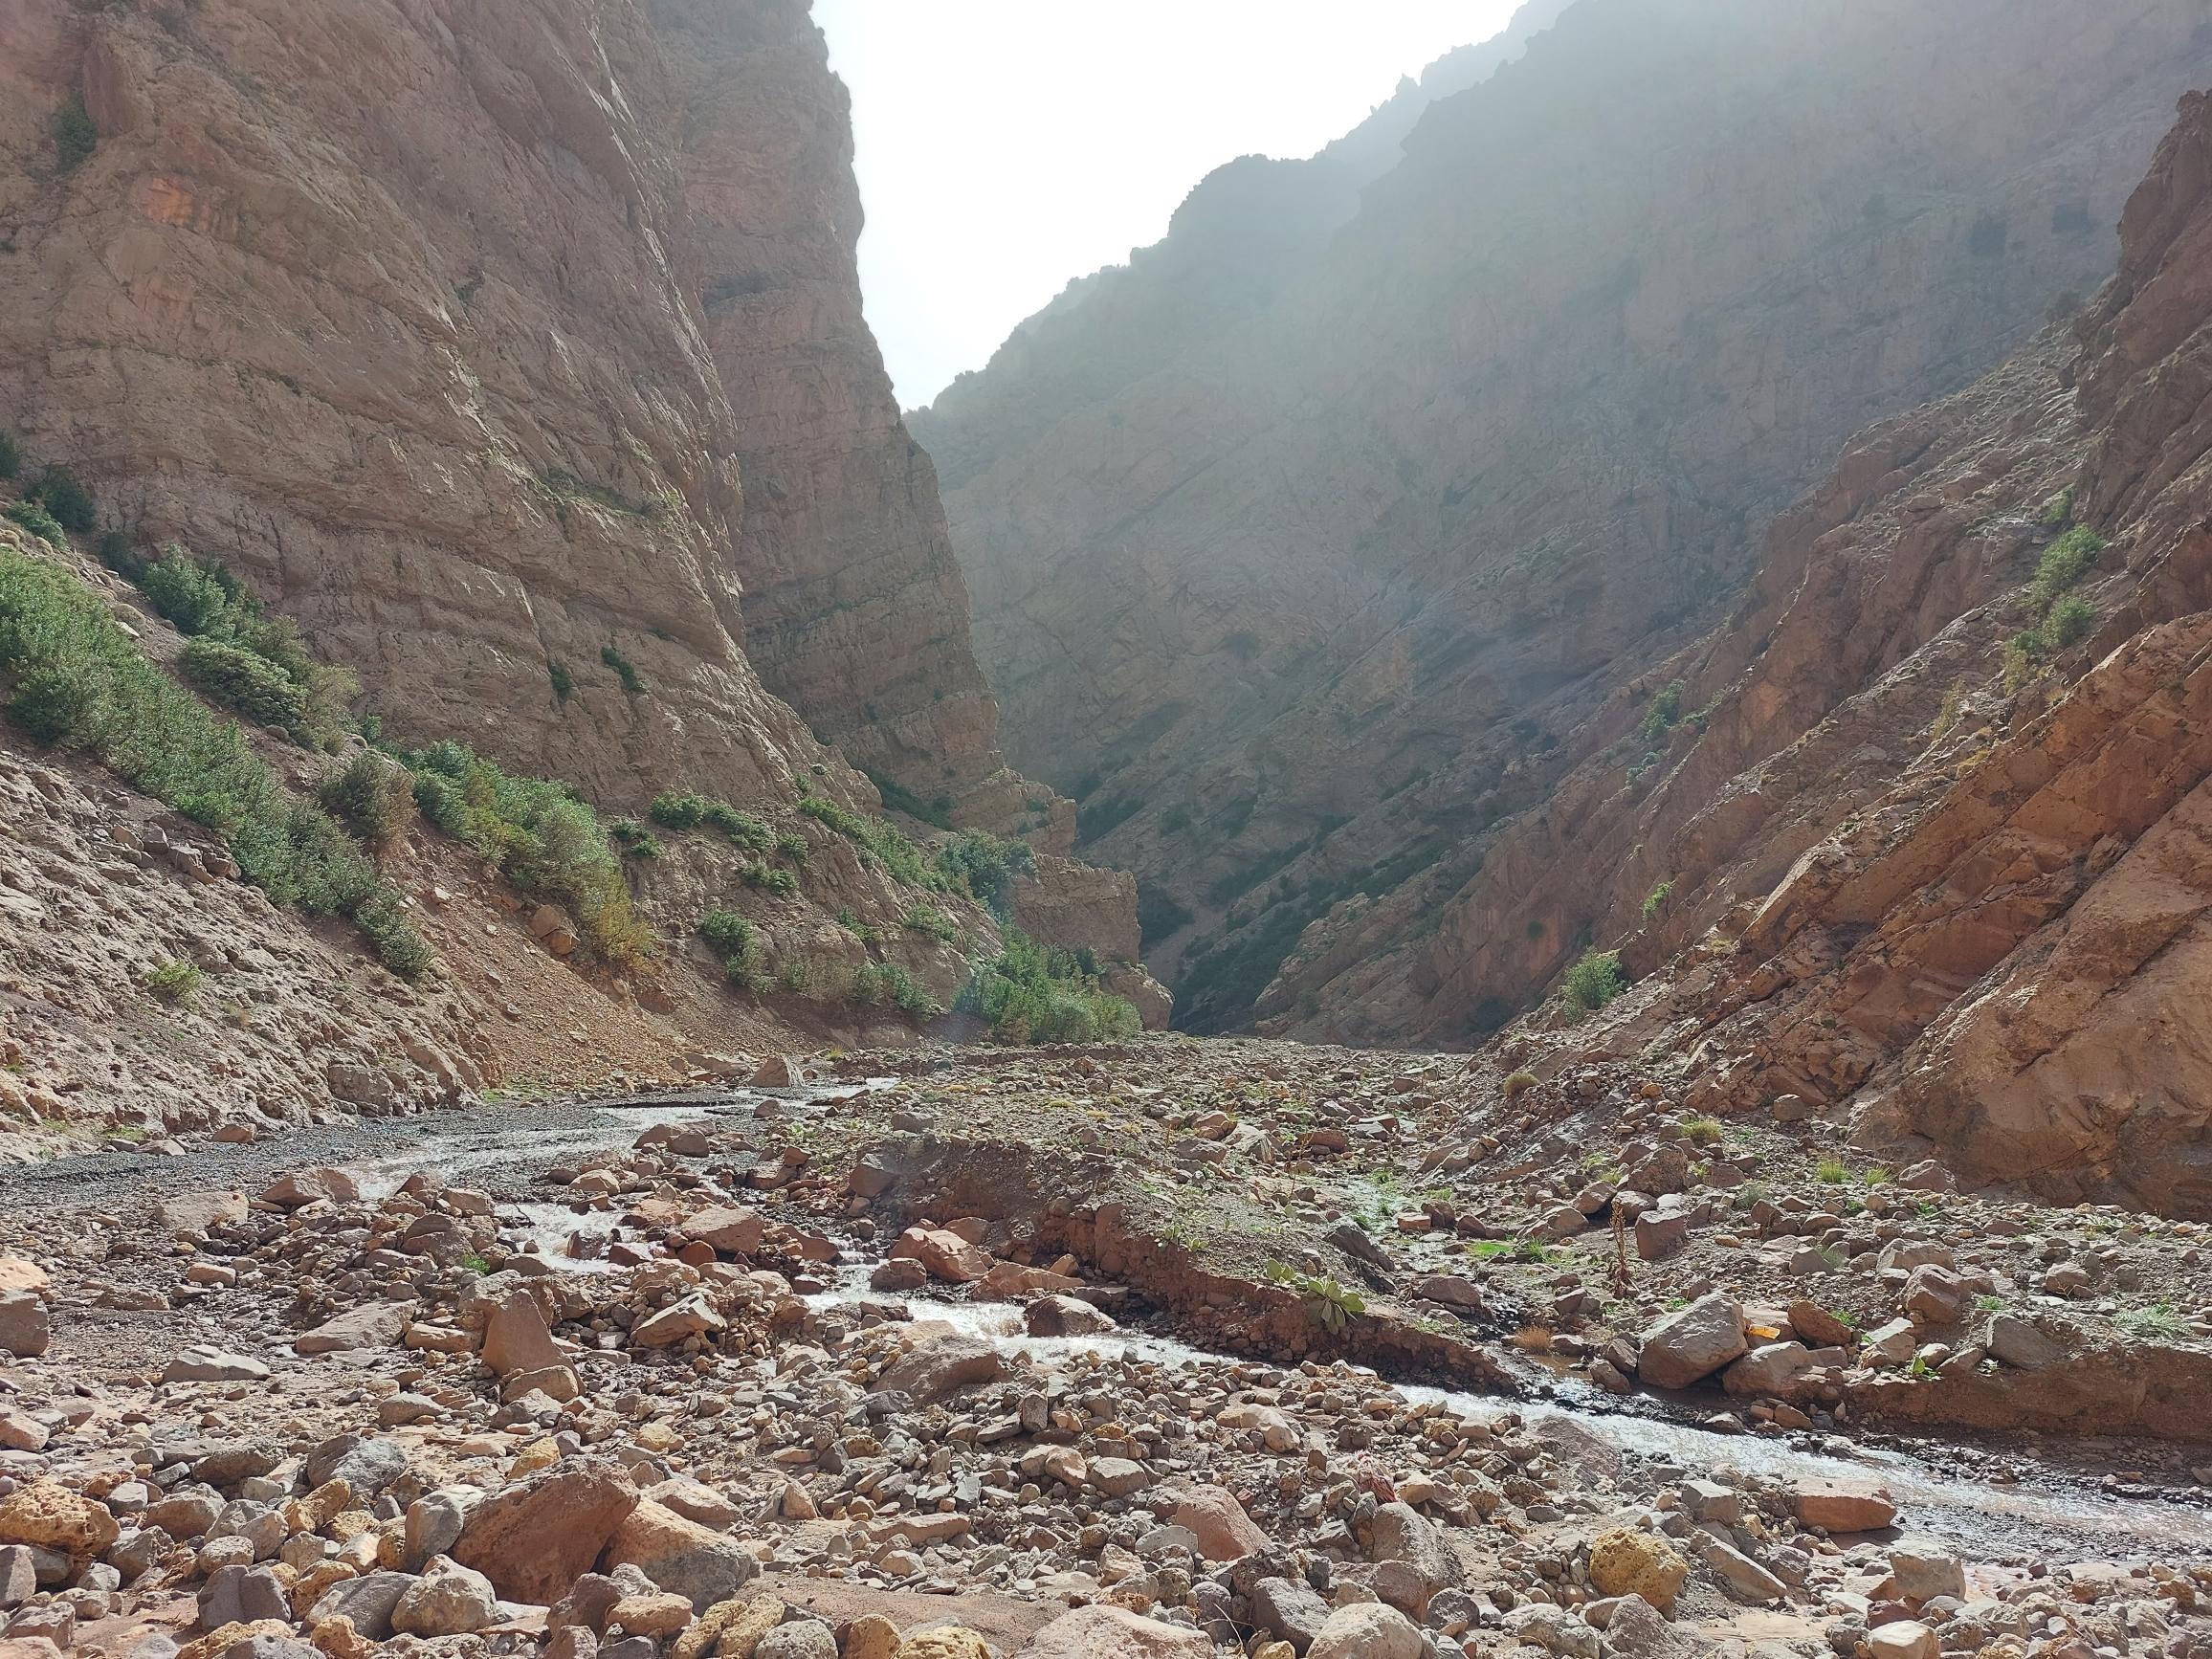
[[1305, 602]]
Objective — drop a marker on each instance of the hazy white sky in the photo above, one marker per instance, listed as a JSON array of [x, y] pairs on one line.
[[1005, 146]]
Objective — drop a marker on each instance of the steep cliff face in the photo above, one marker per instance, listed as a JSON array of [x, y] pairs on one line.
[[854, 609], [1932, 854], [1302, 612], [492, 340]]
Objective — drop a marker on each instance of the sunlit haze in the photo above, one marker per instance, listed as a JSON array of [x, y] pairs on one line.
[[1005, 146]]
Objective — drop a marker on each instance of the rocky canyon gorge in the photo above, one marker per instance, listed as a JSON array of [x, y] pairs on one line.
[[587, 909]]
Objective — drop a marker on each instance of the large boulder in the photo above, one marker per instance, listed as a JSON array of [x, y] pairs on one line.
[[1691, 1343], [1404, 1537], [943, 1254], [1102, 1632], [1845, 1506], [516, 1338], [448, 1599], [942, 1366], [1367, 1630], [536, 1538], [1628, 1563], [48, 1516], [1225, 1532], [678, 1555], [730, 1229]]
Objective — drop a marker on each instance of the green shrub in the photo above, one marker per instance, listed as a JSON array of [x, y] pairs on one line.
[[791, 846], [889, 848], [2063, 563], [929, 920], [371, 796], [635, 839], [743, 829], [986, 868], [886, 982], [1033, 994], [1656, 899], [2058, 512], [539, 836], [678, 811], [74, 134], [1519, 1083], [79, 681], [563, 682], [1665, 711], [36, 520], [2071, 619], [11, 456], [68, 501], [1701, 1131], [173, 983], [1596, 981], [769, 879], [734, 942], [238, 679], [624, 669]]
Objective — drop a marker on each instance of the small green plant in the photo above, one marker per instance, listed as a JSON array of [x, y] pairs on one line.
[[673, 811], [2070, 620], [2063, 563], [1596, 981], [173, 983], [792, 846], [1990, 1304], [70, 502], [743, 829], [1656, 899], [1919, 1370], [930, 922], [2157, 1323], [734, 942], [373, 796], [635, 839], [769, 879], [624, 669], [886, 982], [1665, 711], [36, 520], [1831, 1172], [1328, 1304], [1877, 1176], [563, 682], [881, 841], [1519, 1083], [74, 134], [11, 456], [1701, 1131], [2057, 513]]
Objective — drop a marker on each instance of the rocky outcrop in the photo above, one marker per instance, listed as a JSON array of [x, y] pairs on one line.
[[516, 355], [1917, 857], [1304, 609]]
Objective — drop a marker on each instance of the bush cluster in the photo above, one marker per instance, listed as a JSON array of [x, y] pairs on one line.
[[735, 942], [77, 680], [242, 657], [1031, 993], [537, 835]]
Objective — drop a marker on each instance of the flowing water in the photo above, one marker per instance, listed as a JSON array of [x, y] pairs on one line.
[[2045, 1512]]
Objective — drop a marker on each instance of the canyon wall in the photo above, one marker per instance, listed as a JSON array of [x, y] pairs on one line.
[[513, 348], [1306, 609]]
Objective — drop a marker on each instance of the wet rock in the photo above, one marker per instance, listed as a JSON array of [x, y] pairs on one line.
[[1693, 1342], [1768, 1369], [941, 1366], [729, 1230], [1065, 1317]]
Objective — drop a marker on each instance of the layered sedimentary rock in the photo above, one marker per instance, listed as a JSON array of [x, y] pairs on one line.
[[1916, 859], [515, 349], [855, 612], [1307, 607]]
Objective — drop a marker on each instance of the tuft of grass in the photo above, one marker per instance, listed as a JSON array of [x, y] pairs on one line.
[[770, 878], [1701, 1131], [635, 839], [540, 836], [1519, 1083], [2070, 620], [1831, 1172], [733, 939], [2157, 1323], [76, 680], [175, 983]]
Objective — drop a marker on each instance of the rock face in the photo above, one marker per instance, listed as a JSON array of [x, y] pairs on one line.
[[518, 356], [1302, 603]]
